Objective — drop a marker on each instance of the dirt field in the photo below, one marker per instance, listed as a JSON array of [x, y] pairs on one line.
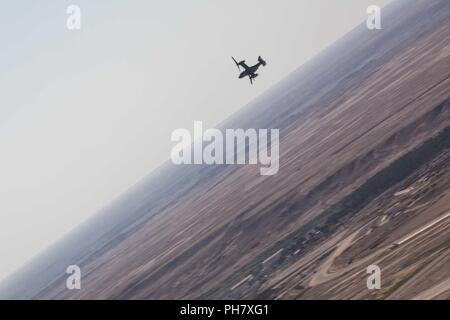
[[364, 167]]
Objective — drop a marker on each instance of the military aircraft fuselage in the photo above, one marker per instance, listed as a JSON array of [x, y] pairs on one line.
[[250, 70]]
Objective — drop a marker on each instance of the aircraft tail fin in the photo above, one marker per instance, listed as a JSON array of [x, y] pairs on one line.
[[262, 61]]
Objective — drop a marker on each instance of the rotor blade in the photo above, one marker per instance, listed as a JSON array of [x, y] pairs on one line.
[[251, 80], [237, 64]]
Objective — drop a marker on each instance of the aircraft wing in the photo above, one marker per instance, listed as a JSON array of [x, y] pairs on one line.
[[243, 65], [240, 64]]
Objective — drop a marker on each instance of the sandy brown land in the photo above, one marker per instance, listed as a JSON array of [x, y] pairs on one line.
[[364, 167]]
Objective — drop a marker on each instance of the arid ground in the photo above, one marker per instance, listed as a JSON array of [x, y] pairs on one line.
[[364, 179]]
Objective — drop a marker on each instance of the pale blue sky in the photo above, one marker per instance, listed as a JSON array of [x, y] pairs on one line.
[[86, 114]]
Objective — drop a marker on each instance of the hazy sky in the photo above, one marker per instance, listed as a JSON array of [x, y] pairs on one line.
[[86, 114]]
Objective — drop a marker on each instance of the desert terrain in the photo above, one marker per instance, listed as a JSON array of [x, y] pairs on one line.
[[364, 179]]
